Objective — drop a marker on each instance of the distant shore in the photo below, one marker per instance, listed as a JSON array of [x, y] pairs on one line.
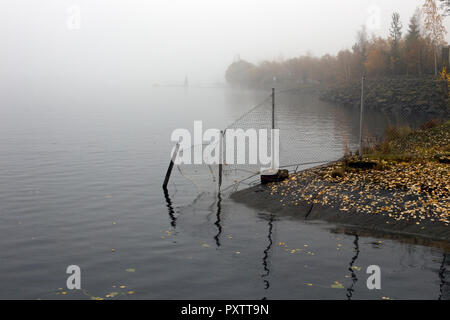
[[406, 191]]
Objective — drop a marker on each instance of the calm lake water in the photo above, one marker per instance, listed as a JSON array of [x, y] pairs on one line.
[[80, 184]]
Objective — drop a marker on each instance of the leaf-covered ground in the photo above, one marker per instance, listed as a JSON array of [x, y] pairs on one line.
[[415, 190]]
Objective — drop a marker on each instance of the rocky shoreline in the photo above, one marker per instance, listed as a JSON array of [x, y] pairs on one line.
[[425, 94]]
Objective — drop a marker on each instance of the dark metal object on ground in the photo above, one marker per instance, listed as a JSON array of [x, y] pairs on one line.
[[280, 176]]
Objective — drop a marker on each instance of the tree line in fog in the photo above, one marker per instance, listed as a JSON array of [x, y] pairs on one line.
[[413, 49]]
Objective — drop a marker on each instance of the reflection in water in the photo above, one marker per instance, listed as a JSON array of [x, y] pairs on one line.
[[411, 242], [265, 261], [218, 221], [173, 219], [351, 268], [444, 286], [402, 238]]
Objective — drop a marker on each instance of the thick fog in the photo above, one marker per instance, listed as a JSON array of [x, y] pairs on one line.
[[144, 42]]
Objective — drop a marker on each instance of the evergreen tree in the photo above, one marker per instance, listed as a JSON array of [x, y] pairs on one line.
[[414, 26], [413, 55], [396, 36]]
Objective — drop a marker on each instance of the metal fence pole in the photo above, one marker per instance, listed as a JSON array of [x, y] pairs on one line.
[[221, 158], [273, 128], [361, 118], [273, 108], [172, 162]]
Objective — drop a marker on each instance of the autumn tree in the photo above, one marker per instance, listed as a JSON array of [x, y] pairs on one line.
[[434, 27], [360, 49], [378, 59], [414, 53], [344, 61]]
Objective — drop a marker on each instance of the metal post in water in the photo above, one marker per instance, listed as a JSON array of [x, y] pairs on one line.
[[361, 118], [273, 132], [221, 157], [273, 108], [172, 162]]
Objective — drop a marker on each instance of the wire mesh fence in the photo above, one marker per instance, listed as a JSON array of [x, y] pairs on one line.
[[205, 177], [311, 133]]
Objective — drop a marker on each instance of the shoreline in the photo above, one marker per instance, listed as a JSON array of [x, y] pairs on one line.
[[259, 197], [403, 189]]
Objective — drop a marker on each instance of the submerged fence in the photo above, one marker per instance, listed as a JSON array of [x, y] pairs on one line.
[[311, 132]]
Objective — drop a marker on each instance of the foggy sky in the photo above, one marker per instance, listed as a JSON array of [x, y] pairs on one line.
[[148, 41]]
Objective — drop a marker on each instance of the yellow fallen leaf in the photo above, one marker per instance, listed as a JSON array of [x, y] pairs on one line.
[[112, 294], [97, 298], [337, 285]]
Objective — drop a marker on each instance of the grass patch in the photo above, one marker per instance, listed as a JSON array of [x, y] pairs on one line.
[[394, 133], [402, 144]]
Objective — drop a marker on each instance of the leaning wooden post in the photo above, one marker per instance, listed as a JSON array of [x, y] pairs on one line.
[[172, 162], [361, 118]]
